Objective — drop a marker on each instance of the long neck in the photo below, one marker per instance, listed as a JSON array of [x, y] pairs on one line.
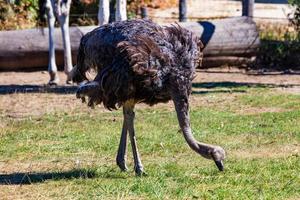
[[201, 148], [182, 106]]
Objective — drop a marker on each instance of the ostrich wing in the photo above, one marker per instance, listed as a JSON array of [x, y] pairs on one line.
[[143, 55]]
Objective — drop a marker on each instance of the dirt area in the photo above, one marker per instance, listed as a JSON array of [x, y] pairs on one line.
[[229, 74], [25, 93]]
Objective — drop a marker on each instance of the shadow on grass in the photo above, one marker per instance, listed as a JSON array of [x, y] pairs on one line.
[[10, 89], [232, 87], [228, 84], [218, 91], [29, 178]]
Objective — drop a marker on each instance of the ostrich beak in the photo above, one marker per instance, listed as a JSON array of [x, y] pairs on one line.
[[220, 165]]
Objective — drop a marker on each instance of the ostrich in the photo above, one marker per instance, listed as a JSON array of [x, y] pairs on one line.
[[138, 61], [60, 9]]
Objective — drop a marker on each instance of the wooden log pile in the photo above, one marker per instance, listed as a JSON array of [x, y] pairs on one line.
[[231, 41]]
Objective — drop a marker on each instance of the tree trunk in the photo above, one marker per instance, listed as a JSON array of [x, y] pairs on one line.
[[247, 8], [144, 12], [182, 11], [121, 13], [103, 12], [232, 41]]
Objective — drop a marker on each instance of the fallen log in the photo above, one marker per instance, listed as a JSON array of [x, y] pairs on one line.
[[230, 41], [23, 49]]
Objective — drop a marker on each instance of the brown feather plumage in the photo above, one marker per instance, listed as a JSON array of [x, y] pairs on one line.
[[138, 59]]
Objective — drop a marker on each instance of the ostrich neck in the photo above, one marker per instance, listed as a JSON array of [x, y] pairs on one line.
[[199, 147], [182, 110]]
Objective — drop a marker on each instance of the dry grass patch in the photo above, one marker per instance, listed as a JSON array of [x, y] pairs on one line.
[[269, 151]]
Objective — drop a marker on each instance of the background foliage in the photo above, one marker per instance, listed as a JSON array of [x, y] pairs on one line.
[[280, 46], [295, 20], [19, 15], [23, 14]]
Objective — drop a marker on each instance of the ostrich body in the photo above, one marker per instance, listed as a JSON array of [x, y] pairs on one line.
[[61, 10], [138, 61]]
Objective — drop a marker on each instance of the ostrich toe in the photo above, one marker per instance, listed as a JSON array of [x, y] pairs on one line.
[[139, 171], [54, 82], [122, 165], [69, 82], [54, 79]]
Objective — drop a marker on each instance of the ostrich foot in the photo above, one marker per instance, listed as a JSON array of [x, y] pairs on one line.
[[69, 82], [139, 171], [122, 165], [54, 80], [69, 78]]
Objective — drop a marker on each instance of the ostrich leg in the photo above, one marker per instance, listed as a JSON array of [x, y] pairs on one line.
[[121, 156], [52, 68], [208, 151], [63, 10], [129, 120]]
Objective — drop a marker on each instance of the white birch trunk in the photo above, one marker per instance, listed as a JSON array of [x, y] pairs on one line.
[[103, 12], [121, 13]]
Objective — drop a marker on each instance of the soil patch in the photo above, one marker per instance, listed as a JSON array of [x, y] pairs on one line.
[[35, 103]]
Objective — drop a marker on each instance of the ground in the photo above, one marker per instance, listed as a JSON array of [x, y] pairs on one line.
[[52, 146], [21, 105]]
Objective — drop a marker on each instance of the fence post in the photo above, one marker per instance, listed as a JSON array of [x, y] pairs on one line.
[[112, 11], [248, 7], [144, 12], [182, 10]]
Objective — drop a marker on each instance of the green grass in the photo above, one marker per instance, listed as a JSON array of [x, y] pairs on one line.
[[72, 156]]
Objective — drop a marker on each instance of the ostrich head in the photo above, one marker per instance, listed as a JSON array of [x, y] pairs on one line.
[[212, 152], [218, 155]]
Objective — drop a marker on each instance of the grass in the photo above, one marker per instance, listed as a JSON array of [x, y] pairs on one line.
[[65, 155]]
